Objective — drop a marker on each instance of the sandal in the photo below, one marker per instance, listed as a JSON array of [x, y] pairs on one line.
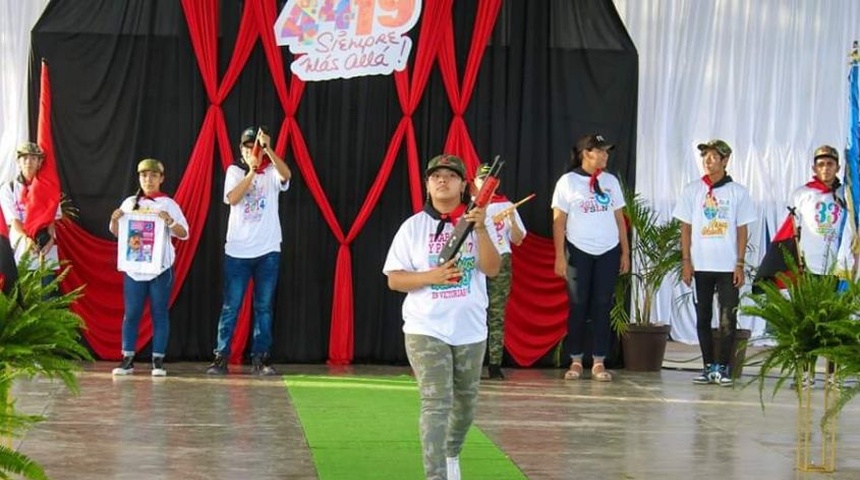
[[574, 372], [599, 373]]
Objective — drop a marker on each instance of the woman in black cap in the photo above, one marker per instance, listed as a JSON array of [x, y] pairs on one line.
[[590, 238]]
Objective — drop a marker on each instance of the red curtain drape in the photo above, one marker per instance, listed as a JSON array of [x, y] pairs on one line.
[[536, 311], [459, 141]]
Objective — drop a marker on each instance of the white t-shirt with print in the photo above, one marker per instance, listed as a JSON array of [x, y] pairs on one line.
[[501, 231], [154, 206], [591, 225], [455, 314], [714, 223], [821, 221], [254, 227], [14, 208]]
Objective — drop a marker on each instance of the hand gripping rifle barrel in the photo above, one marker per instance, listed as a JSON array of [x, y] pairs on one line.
[[464, 228]]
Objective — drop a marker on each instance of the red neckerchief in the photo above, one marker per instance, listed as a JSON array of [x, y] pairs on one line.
[[822, 187], [264, 163], [453, 216], [153, 196], [711, 185], [593, 183], [498, 198]]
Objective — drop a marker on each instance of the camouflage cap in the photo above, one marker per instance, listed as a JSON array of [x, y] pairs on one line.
[[150, 165], [483, 170], [451, 162], [826, 151], [29, 148], [720, 146], [248, 135]]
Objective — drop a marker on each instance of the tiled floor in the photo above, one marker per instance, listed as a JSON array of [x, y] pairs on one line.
[[639, 427]]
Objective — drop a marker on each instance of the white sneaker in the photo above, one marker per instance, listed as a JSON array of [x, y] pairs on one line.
[[126, 367], [453, 468], [158, 369]]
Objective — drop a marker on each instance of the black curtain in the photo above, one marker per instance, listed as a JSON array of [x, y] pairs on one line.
[[126, 85]]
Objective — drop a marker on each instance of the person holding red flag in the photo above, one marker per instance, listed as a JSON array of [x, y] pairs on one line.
[[508, 229], [253, 247], [15, 197], [715, 212]]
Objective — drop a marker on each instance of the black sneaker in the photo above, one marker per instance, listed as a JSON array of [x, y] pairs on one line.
[[496, 372], [158, 369], [126, 367], [704, 378], [218, 367], [261, 365]]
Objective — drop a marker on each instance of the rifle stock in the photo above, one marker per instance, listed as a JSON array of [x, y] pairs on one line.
[[464, 228]]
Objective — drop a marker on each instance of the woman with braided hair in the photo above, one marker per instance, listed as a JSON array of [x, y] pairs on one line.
[[137, 287]]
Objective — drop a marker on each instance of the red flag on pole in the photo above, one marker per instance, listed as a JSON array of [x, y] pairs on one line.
[[43, 196]]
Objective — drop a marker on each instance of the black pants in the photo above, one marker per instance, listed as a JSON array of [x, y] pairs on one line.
[[728, 296], [590, 290]]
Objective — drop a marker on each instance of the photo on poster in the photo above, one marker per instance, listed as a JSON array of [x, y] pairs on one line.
[[140, 243]]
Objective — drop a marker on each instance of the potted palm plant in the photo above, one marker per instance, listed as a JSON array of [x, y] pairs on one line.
[[39, 335], [811, 319], [655, 254]]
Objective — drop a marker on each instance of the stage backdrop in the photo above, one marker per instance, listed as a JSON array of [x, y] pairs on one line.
[[178, 81]]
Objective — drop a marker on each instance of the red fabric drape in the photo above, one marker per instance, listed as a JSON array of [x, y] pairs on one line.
[[43, 196], [536, 313], [459, 141]]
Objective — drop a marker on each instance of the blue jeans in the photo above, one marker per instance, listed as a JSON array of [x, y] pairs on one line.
[[237, 272], [590, 291], [134, 296]]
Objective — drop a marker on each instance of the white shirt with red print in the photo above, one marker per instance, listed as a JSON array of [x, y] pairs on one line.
[[591, 225]]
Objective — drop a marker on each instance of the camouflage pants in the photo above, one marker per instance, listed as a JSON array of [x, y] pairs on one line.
[[448, 378], [498, 289]]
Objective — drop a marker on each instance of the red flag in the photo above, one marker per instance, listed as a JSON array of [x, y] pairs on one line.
[[43, 196], [774, 261]]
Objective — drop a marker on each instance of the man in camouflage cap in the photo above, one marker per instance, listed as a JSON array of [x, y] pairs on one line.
[[715, 212]]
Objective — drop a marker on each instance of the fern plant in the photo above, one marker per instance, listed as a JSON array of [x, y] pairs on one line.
[[812, 318], [655, 254], [39, 335]]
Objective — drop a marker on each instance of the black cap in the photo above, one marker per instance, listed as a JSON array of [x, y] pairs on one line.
[[593, 141]]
